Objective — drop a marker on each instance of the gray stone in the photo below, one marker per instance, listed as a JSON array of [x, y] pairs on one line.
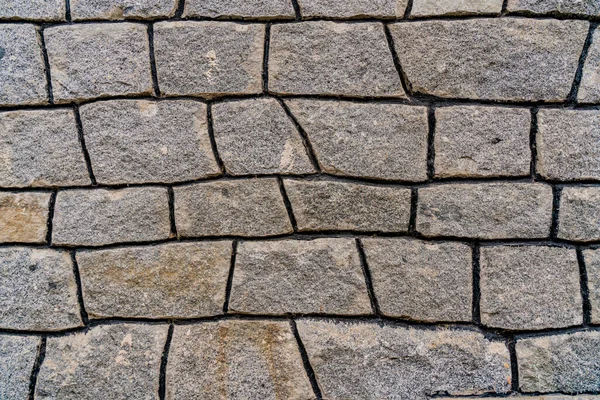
[[22, 76], [98, 60], [565, 7], [17, 357], [561, 363], [378, 141], [257, 137], [579, 215], [297, 276], [244, 9], [589, 88], [330, 58], [98, 217], [236, 360], [331, 206], [486, 210], [116, 361], [369, 361], [568, 144], [209, 58], [176, 280], [510, 59], [37, 290], [122, 9], [34, 10], [592, 264], [475, 141], [548, 397], [24, 217], [249, 207], [352, 8], [421, 280], [530, 287], [139, 141], [425, 8]]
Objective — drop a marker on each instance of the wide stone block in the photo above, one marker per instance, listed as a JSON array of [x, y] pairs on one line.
[[352, 8], [34, 10], [427, 8], [592, 265], [589, 88], [565, 7], [579, 214], [17, 358], [24, 217], [122, 9], [243, 9]]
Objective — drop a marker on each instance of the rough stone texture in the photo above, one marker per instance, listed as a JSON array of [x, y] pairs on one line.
[[34, 10], [368, 361], [98, 60], [568, 144], [22, 76], [98, 217], [530, 287], [579, 215], [562, 363], [424, 8], [244, 9], [17, 357], [548, 397], [139, 141], [379, 141], [24, 217], [476, 141], [589, 88], [342, 206], [122, 9], [117, 361], [420, 280], [257, 137], [352, 8], [209, 58], [294, 276], [592, 264], [249, 207], [568, 7], [37, 290], [177, 280], [512, 59], [330, 58], [236, 360]]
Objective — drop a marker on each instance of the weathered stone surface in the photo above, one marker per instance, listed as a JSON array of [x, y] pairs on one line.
[[236, 360], [176, 280], [381, 141], [368, 361], [245, 9], [40, 148], [421, 280], [589, 88], [579, 215], [97, 217], [353, 8], [117, 361], [568, 7], [568, 144], [139, 141], [475, 141], [330, 58], [592, 264], [24, 217], [122, 9], [209, 58], [424, 8], [17, 357], [561, 363], [548, 397], [98, 60], [330, 205], [257, 137], [530, 287], [22, 76], [486, 210], [37, 290], [512, 59], [294, 276], [249, 207], [34, 10]]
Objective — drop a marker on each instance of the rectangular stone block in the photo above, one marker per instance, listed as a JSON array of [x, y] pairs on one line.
[[242, 9], [547, 397], [352, 8], [591, 259], [485, 210], [17, 358], [99, 217], [427, 8], [589, 88], [579, 214], [122, 9], [553, 7], [33, 10], [24, 217], [293, 276]]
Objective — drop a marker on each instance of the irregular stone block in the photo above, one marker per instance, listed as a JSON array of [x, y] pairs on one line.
[[249, 207], [530, 287], [592, 264], [17, 357], [24, 217], [38, 290], [330, 58], [378, 141], [98, 217], [236, 359], [331, 206], [352, 8], [98, 60], [209, 58], [425, 8], [589, 88], [244, 9], [508, 59], [139, 141], [560, 363], [548, 397], [485, 210], [565, 7], [293, 276], [34, 10], [116, 361], [579, 215], [22, 76], [475, 141], [257, 137], [368, 361], [122, 9], [421, 280], [176, 280]]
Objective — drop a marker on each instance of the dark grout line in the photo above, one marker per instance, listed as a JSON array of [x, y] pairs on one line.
[[42, 40], [51, 205], [162, 383], [84, 315], [533, 131], [68, 10], [514, 364], [403, 78], [408, 9], [234, 247], [572, 97], [39, 359], [297, 10], [556, 193], [265, 75], [368, 277], [476, 306], [211, 135], [431, 143], [180, 9], [310, 372], [504, 8], [288, 204], [171, 195], [585, 292], [412, 222], [153, 69], [86, 155]]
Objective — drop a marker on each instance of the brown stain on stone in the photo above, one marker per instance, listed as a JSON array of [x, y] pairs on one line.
[[23, 219]]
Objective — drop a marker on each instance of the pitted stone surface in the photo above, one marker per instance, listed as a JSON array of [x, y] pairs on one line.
[[548, 397], [37, 290], [296, 276], [352, 8], [424, 8], [378, 141], [592, 264], [579, 215], [24, 217], [122, 9], [331, 58], [589, 88], [34, 10], [245, 9], [17, 357], [138, 141], [565, 7]]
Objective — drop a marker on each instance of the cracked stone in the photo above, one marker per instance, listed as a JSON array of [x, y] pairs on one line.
[[24, 217], [592, 264], [565, 7], [244, 9], [426, 8], [122, 9], [17, 358], [33, 10], [352, 8], [589, 88], [579, 214]]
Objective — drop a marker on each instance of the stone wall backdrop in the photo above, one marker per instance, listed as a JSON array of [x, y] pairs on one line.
[[299, 199]]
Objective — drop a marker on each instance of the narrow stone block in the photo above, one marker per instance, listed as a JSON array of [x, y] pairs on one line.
[[33, 10], [17, 358], [24, 217], [122, 9], [243, 9], [427, 8], [591, 259], [564, 7], [352, 8], [579, 214], [589, 88]]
